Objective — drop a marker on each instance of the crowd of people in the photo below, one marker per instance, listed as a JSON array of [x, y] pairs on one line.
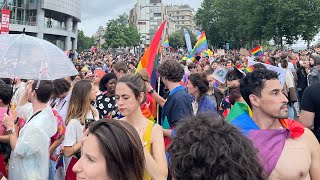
[[104, 123]]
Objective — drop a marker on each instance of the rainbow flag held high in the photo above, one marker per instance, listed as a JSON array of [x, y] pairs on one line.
[[269, 142], [166, 43], [148, 59], [200, 46], [257, 51]]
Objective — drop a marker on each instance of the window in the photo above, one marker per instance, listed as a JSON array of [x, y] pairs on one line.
[[157, 14], [142, 23], [155, 1]]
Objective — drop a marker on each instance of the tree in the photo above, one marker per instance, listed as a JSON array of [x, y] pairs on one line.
[[177, 39], [84, 42], [120, 34], [247, 22]]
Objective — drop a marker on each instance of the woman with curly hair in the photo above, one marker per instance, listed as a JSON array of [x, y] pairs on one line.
[[207, 147]]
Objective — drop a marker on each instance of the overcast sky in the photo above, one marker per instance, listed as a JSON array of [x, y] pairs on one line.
[[96, 13]]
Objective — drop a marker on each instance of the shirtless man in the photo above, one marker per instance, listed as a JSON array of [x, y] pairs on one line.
[[287, 150]]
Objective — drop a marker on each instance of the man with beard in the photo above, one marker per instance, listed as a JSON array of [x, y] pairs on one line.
[[287, 150]]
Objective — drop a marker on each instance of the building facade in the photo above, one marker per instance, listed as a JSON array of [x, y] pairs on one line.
[[98, 37], [147, 16], [54, 21], [182, 15]]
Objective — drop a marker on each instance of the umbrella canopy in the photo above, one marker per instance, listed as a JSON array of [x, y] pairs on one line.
[[27, 57]]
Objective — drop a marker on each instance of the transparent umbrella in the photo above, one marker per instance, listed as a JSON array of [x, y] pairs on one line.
[[27, 57]]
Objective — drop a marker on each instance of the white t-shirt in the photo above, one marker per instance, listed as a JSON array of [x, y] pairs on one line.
[[74, 132]]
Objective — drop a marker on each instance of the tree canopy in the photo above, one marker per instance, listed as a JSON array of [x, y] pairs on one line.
[[121, 34], [177, 40], [245, 23], [84, 42]]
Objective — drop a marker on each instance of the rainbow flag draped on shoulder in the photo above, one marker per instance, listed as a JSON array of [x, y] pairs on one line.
[[257, 51], [200, 46], [270, 143]]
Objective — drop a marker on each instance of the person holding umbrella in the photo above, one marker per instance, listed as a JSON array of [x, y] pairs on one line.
[[30, 151]]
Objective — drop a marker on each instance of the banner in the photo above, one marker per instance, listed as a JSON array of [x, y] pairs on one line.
[[188, 40], [220, 74], [5, 21], [221, 52], [280, 71]]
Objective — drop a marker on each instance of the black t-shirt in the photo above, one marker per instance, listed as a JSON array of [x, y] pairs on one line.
[[311, 102]]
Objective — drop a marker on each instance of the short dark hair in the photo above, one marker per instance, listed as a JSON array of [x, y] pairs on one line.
[[192, 66], [105, 79], [44, 90], [121, 147], [200, 82], [120, 66], [5, 93], [207, 147], [259, 66], [208, 72], [253, 83], [234, 75], [60, 86], [172, 70]]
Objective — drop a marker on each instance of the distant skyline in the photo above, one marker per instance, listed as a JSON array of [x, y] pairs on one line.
[[99, 13]]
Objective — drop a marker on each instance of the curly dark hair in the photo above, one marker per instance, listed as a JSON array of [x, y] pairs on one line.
[[105, 79], [207, 147], [171, 70], [253, 83], [200, 82]]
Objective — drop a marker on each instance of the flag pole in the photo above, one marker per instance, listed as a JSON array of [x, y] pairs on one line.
[[161, 58]]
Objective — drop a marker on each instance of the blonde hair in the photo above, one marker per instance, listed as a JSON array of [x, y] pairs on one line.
[[79, 105]]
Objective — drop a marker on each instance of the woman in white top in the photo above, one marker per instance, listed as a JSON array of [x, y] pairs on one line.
[[80, 112]]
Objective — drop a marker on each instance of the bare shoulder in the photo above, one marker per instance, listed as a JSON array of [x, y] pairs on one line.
[[157, 128], [157, 132], [309, 138]]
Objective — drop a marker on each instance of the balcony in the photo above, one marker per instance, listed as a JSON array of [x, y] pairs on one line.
[[20, 22]]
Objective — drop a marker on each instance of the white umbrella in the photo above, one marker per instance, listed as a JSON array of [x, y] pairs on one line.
[[27, 57]]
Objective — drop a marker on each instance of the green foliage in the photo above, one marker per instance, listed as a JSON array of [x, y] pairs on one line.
[[120, 34], [84, 42], [177, 39], [246, 23]]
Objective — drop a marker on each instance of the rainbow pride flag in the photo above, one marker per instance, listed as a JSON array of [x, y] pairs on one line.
[[257, 51], [148, 59], [248, 69], [200, 46], [269, 142], [166, 43]]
